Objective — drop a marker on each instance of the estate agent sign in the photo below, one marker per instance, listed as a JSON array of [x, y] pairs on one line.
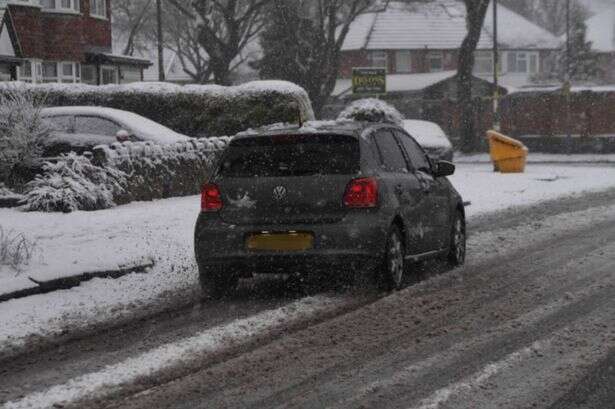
[[369, 81]]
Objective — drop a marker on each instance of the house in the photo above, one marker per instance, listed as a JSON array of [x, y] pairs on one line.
[[424, 37], [65, 41]]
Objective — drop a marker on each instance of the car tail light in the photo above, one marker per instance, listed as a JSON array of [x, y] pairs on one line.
[[361, 193], [211, 199]]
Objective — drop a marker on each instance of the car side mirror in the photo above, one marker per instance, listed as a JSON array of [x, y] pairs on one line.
[[444, 168], [122, 135]]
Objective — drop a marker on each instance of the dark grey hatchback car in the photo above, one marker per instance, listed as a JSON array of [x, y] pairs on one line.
[[349, 196]]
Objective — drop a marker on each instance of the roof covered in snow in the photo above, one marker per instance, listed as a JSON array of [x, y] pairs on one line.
[[601, 26], [440, 24]]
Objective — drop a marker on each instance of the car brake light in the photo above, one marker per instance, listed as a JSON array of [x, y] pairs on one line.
[[361, 193], [211, 199]]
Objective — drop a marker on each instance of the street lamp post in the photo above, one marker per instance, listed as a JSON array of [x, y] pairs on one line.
[[161, 74], [567, 77], [496, 61]]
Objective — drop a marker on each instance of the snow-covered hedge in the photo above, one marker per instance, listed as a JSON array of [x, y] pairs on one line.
[[160, 171], [372, 110], [74, 183], [194, 110]]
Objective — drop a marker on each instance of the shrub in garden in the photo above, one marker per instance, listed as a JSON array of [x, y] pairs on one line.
[[73, 183], [372, 110], [15, 249], [21, 129]]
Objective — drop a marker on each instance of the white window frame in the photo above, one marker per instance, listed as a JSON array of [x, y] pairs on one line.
[[433, 56], [95, 11], [27, 78], [378, 59], [74, 6], [406, 57], [73, 78], [531, 59], [482, 60]]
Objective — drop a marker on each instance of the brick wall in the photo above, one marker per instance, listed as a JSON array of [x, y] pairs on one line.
[[60, 37]]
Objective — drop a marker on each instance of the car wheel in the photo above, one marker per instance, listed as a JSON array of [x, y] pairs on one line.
[[394, 263], [457, 251], [215, 284]]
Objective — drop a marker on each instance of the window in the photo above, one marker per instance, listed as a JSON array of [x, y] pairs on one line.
[[483, 62], [88, 74], [109, 75], [95, 125], [435, 61], [417, 156], [98, 8], [522, 62], [391, 158], [377, 59], [61, 5], [50, 72], [61, 123], [25, 72], [66, 72], [403, 61], [292, 155]]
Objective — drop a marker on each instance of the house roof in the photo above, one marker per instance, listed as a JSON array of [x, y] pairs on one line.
[[601, 28], [440, 24]]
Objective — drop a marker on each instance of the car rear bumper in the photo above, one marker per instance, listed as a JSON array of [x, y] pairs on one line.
[[357, 239]]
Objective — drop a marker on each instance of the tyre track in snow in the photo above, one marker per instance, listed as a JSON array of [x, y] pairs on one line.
[[327, 364], [39, 371]]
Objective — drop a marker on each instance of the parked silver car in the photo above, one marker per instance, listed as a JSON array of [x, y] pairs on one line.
[[431, 138], [80, 128]]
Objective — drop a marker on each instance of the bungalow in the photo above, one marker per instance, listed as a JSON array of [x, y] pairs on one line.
[[424, 37], [67, 41]]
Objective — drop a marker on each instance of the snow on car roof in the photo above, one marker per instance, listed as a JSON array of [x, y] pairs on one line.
[[346, 127], [147, 128], [427, 134]]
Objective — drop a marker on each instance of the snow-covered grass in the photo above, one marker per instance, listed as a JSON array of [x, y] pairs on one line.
[[162, 230], [489, 191]]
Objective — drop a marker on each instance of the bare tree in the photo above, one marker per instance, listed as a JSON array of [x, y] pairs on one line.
[[475, 18], [304, 40], [131, 21], [222, 29]]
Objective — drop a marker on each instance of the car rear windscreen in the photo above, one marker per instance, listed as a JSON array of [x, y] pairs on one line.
[[291, 155]]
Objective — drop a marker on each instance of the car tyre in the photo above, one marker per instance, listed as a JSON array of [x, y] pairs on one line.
[[394, 261], [215, 284], [457, 250]]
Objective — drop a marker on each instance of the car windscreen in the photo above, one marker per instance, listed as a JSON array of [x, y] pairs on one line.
[[291, 155]]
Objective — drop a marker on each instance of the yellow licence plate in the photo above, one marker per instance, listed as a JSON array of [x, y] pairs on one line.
[[280, 241]]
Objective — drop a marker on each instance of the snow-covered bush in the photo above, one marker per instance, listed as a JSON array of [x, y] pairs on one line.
[[194, 110], [160, 171], [15, 249], [21, 129], [372, 110], [73, 183]]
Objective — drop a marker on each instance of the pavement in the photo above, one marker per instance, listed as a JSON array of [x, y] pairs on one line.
[[528, 322]]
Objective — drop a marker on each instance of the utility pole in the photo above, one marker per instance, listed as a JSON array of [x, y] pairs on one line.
[[160, 41], [496, 64], [567, 79]]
